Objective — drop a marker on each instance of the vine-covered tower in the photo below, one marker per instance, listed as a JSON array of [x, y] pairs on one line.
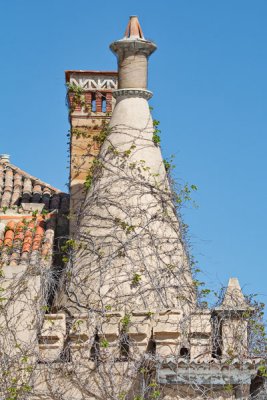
[[109, 310], [129, 252]]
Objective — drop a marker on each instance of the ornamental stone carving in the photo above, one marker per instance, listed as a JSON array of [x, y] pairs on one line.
[[145, 94]]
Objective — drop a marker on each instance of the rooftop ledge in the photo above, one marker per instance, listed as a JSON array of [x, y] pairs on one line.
[[88, 72], [181, 373]]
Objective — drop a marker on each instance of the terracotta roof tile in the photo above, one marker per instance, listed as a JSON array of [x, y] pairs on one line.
[[9, 234], [28, 237], [17, 187], [39, 233], [28, 241]]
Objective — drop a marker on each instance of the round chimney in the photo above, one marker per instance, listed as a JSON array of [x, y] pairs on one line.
[[5, 158]]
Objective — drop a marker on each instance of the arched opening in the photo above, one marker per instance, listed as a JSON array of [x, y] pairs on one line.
[[93, 104], [104, 103]]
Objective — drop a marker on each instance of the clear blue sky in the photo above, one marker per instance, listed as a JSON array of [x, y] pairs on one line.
[[209, 82]]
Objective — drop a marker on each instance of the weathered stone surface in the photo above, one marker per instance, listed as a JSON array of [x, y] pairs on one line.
[[52, 337], [200, 323], [234, 338]]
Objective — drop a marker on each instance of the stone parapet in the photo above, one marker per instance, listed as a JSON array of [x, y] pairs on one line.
[[94, 335], [168, 332]]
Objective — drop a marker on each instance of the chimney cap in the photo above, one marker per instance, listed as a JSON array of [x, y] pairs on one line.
[[5, 158], [133, 29], [133, 34]]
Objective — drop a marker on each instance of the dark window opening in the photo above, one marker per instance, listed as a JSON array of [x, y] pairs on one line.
[[104, 104], [258, 388], [65, 355], [184, 352], [93, 105], [151, 347], [94, 352]]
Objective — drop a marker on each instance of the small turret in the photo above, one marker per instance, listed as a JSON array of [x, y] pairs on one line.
[[232, 318]]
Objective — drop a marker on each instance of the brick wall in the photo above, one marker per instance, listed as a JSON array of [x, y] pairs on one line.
[[90, 107]]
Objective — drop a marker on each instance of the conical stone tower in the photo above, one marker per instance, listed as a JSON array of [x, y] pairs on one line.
[[127, 325], [128, 251]]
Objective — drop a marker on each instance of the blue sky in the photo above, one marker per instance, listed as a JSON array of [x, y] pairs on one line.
[[209, 82]]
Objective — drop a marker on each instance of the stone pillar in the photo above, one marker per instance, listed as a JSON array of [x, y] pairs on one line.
[[81, 337], [140, 329], [52, 337], [200, 336], [167, 333]]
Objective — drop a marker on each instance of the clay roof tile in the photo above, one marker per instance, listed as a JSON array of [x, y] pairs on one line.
[[28, 237], [9, 234], [27, 240], [39, 233], [17, 187]]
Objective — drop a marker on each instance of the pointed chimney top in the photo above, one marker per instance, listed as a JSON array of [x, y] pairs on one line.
[[234, 298], [133, 40], [132, 52], [134, 30]]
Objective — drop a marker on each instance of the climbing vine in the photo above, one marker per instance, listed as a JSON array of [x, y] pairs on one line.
[[124, 309]]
